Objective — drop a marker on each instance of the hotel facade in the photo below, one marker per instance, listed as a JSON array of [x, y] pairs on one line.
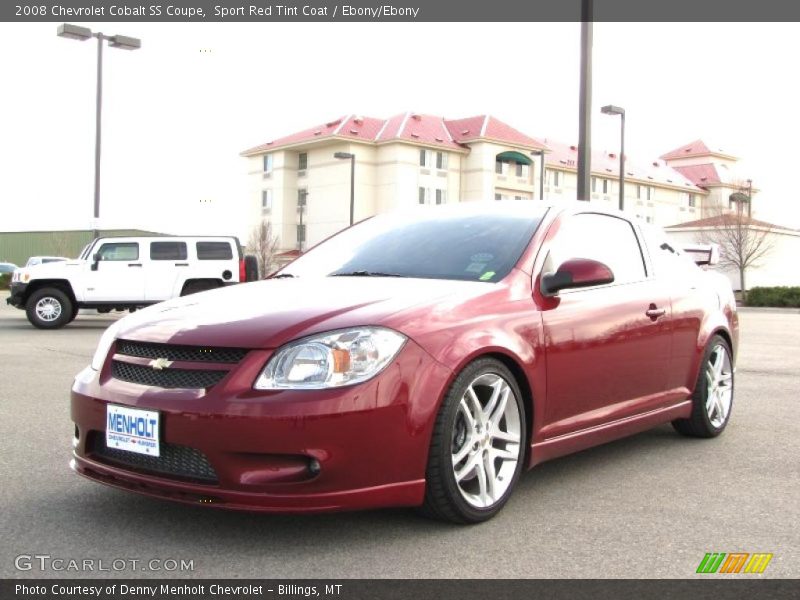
[[299, 184]]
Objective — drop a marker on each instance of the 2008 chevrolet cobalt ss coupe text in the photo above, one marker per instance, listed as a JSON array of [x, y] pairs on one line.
[[421, 358]]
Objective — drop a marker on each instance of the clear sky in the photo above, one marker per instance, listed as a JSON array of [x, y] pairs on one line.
[[178, 112]]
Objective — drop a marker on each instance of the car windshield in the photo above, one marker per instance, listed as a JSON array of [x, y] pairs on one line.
[[461, 242]]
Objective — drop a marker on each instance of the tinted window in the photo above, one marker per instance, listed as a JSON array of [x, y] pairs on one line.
[[608, 239], [448, 242], [168, 251], [214, 251], [119, 251]]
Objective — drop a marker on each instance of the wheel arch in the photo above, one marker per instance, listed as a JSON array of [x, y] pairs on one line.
[[61, 284]]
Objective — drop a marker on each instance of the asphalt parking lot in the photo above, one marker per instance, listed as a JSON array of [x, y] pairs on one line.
[[647, 506]]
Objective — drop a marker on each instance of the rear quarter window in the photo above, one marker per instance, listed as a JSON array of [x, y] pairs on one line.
[[167, 250], [214, 251]]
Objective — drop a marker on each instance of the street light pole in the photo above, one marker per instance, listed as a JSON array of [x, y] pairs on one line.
[[98, 134], [585, 102], [122, 42], [352, 157], [618, 110], [540, 154]]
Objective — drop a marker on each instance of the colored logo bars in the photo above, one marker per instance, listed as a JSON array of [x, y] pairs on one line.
[[735, 562]]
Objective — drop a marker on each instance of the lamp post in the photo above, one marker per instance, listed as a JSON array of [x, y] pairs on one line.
[[618, 110], [123, 42], [749, 198], [352, 157], [540, 154], [585, 101]]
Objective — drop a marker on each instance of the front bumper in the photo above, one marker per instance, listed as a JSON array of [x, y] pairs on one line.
[[17, 296], [370, 441]]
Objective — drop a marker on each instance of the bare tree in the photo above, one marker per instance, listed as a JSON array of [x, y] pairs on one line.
[[743, 241], [263, 244]]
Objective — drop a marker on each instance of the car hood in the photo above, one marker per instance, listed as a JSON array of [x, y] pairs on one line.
[[267, 314]]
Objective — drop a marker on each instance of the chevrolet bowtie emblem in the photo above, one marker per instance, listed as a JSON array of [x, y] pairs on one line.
[[160, 363]]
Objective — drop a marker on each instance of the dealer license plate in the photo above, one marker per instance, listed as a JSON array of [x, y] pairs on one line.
[[132, 430]]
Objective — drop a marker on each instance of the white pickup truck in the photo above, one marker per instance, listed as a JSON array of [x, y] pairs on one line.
[[126, 273]]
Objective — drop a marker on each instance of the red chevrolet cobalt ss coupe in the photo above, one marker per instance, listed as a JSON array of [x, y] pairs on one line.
[[421, 358]]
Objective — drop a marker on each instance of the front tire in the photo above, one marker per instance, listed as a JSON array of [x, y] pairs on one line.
[[49, 308], [478, 445], [713, 393]]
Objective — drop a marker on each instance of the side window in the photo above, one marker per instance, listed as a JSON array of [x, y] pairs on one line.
[[119, 251], [214, 251], [168, 251], [608, 239]]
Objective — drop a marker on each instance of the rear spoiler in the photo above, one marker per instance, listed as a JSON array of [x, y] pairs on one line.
[[702, 254]]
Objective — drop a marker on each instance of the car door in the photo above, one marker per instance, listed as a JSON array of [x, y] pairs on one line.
[[607, 347], [168, 261], [117, 274]]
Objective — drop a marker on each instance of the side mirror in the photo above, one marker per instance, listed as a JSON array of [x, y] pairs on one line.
[[703, 254], [576, 273], [95, 260]]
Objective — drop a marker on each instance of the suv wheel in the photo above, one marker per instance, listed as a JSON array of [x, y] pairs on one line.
[[49, 308]]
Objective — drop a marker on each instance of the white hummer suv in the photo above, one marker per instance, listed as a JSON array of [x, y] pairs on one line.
[[126, 273]]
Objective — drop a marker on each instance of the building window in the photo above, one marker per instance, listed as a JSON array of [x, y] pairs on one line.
[[555, 178], [423, 157], [638, 192], [517, 197], [423, 195], [499, 167], [605, 186], [441, 196], [498, 197], [692, 201], [441, 160], [302, 161], [649, 189], [266, 200], [267, 163], [594, 184], [302, 196]]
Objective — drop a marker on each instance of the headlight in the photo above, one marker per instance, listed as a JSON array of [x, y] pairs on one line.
[[331, 359], [106, 340]]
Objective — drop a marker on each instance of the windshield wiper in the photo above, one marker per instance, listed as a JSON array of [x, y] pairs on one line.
[[282, 276], [365, 274]]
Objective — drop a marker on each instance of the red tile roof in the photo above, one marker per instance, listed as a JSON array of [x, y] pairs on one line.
[[700, 174], [727, 219], [412, 127], [607, 164], [695, 148]]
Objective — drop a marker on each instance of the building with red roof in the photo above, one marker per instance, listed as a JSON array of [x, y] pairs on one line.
[[415, 158]]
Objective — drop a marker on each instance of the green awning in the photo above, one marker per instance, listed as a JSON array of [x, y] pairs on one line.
[[512, 156]]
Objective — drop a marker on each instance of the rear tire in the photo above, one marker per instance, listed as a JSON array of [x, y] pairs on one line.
[[49, 308], [712, 399], [478, 445]]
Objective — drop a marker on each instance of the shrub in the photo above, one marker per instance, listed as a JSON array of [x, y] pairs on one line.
[[774, 296]]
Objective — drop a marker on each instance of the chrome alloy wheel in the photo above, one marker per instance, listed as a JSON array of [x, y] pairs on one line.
[[719, 382], [486, 440], [48, 309]]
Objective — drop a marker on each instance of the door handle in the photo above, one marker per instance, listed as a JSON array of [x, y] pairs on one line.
[[181, 264], [134, 264], [654, 312]]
